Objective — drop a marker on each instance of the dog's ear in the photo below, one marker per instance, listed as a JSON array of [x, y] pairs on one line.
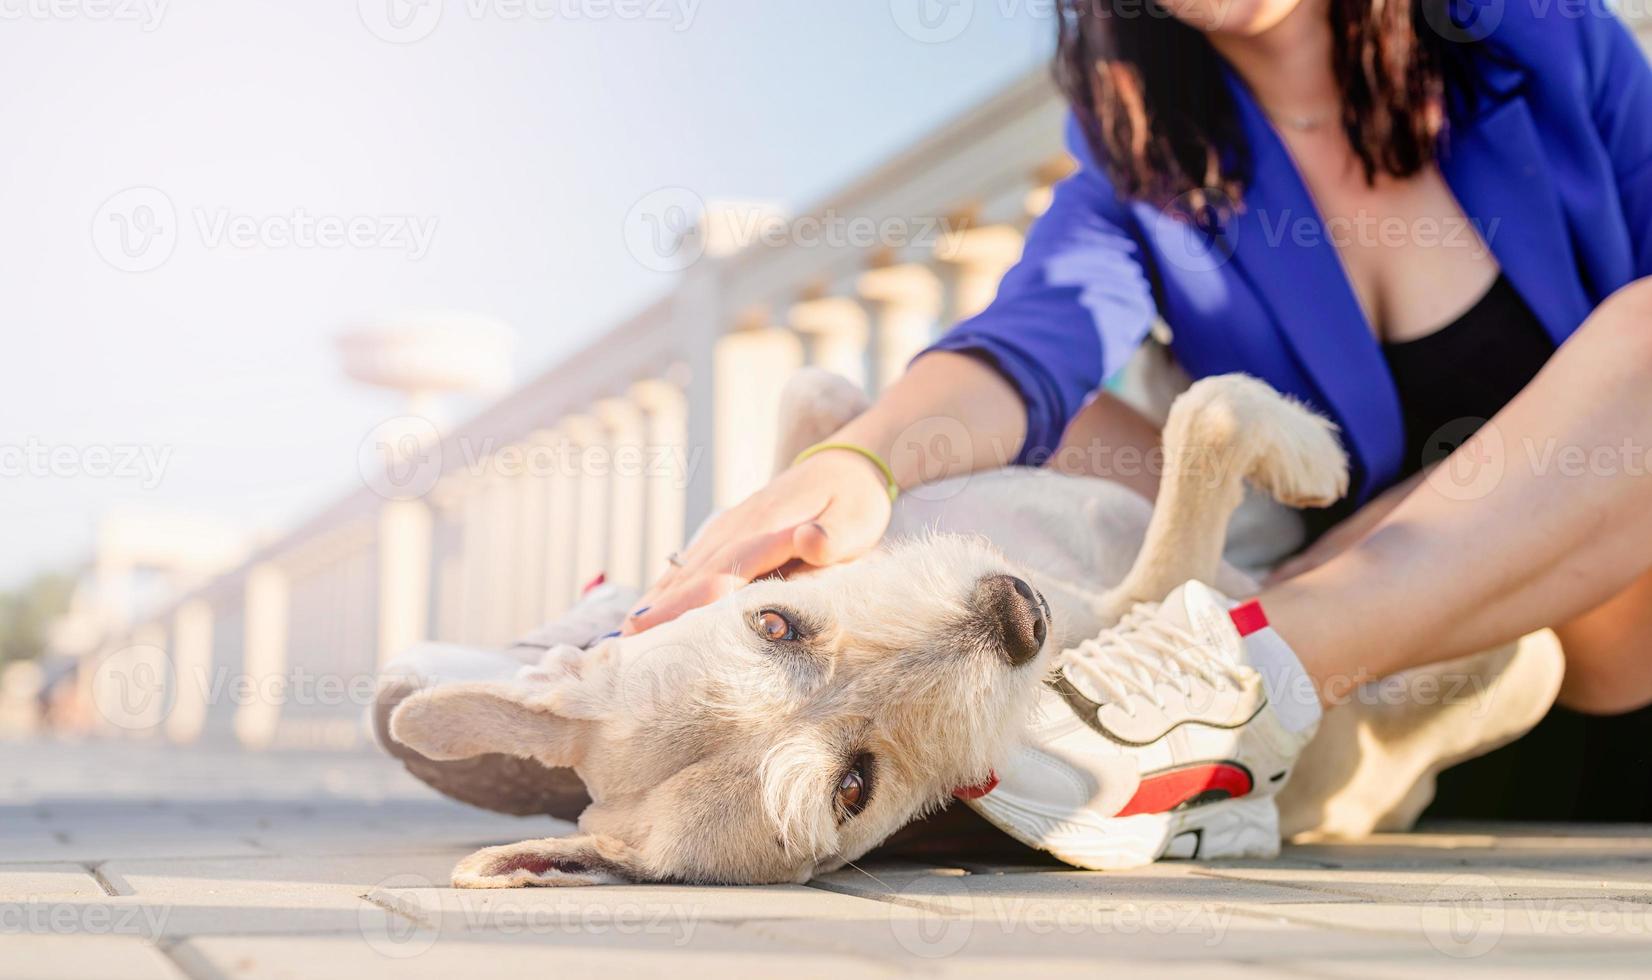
[[460, 721], [585, 859]]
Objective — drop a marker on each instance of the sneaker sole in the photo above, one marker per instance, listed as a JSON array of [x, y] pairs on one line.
[[1242, 828]]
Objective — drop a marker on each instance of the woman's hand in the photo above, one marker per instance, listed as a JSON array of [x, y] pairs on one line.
[[830, 508], [834, 506]]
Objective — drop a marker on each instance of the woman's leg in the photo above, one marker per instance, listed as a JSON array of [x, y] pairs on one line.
[[1543, 518], [1609, 653]]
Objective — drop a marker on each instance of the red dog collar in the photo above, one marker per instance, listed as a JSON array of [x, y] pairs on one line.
[[977, 791]]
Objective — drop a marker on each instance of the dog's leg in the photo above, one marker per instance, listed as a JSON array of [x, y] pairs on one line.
[[814, 404], [1372, 767], [1222, 431]]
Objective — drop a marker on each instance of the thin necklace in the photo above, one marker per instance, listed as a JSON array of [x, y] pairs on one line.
[[1301, 123]]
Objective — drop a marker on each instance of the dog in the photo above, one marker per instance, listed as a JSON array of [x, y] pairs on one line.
[[786, 730]]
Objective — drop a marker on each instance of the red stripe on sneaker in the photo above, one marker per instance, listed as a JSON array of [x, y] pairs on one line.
[[1248, 617], [1165, 791]]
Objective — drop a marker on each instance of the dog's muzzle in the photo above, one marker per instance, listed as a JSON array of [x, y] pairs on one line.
[[1018, 615]]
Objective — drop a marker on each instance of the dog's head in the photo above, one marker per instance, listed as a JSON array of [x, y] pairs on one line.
[[776, 734]]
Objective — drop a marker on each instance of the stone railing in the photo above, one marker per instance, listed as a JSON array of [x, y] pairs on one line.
[[600, 464]]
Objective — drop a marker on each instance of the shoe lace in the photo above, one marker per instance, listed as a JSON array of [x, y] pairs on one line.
[[1144, 651]]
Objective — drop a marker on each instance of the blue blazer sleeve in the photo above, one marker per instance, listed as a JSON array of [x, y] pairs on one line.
[[1620, 82], [1071, 312]]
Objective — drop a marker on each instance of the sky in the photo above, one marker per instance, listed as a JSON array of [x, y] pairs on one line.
[[198, 196]]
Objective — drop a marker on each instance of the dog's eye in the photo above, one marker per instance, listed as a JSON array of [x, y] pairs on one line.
[[775, 627], [854, 787]]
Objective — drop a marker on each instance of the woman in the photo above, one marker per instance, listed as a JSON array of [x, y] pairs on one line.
[[1406, 216]]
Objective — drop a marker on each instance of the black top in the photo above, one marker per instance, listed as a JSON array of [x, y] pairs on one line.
[[1454, 379]]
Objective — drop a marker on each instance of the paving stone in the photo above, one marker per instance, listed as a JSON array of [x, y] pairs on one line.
[[81, 832], [23, 882], [1525, 962], [669, 910], [31, 849], [111, 916], [1077, 930], [463, 832], [957, 890], [1170, 909], [1514, 844], [715, 952], [142, 842], [271, 874], [1091, 967], [1419, 884], [59, 957], [1519, 834], [268, 894], [1473, 925]]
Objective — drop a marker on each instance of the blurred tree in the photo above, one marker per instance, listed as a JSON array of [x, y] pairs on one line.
[[27, 612]]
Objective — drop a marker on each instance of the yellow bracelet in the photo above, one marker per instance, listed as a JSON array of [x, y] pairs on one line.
[[888, 474]]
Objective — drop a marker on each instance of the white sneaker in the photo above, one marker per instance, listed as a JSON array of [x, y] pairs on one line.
[[1168, 735]]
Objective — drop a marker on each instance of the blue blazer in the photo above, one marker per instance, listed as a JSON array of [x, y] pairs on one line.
[[1552, 164]]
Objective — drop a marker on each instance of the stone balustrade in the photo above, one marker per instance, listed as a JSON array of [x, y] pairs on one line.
[[598, 466]]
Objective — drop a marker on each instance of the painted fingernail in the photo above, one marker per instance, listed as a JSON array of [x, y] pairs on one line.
[[818, 527], [609, 636], [639, 612]]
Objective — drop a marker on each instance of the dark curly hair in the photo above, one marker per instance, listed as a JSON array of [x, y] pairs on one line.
[[1149, 92]]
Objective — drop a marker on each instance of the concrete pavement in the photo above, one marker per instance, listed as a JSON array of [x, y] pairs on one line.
[[135, 860]]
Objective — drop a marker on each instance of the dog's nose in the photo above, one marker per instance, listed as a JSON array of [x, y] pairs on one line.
[[1017, 612]]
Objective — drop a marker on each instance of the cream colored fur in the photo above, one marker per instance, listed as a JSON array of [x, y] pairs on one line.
[[712, 754], [1372, 765]]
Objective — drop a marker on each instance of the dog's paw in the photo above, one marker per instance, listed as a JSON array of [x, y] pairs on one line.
[[556, 862], [1308, 467], [823, 397], [1281, 446], [815, 404]]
